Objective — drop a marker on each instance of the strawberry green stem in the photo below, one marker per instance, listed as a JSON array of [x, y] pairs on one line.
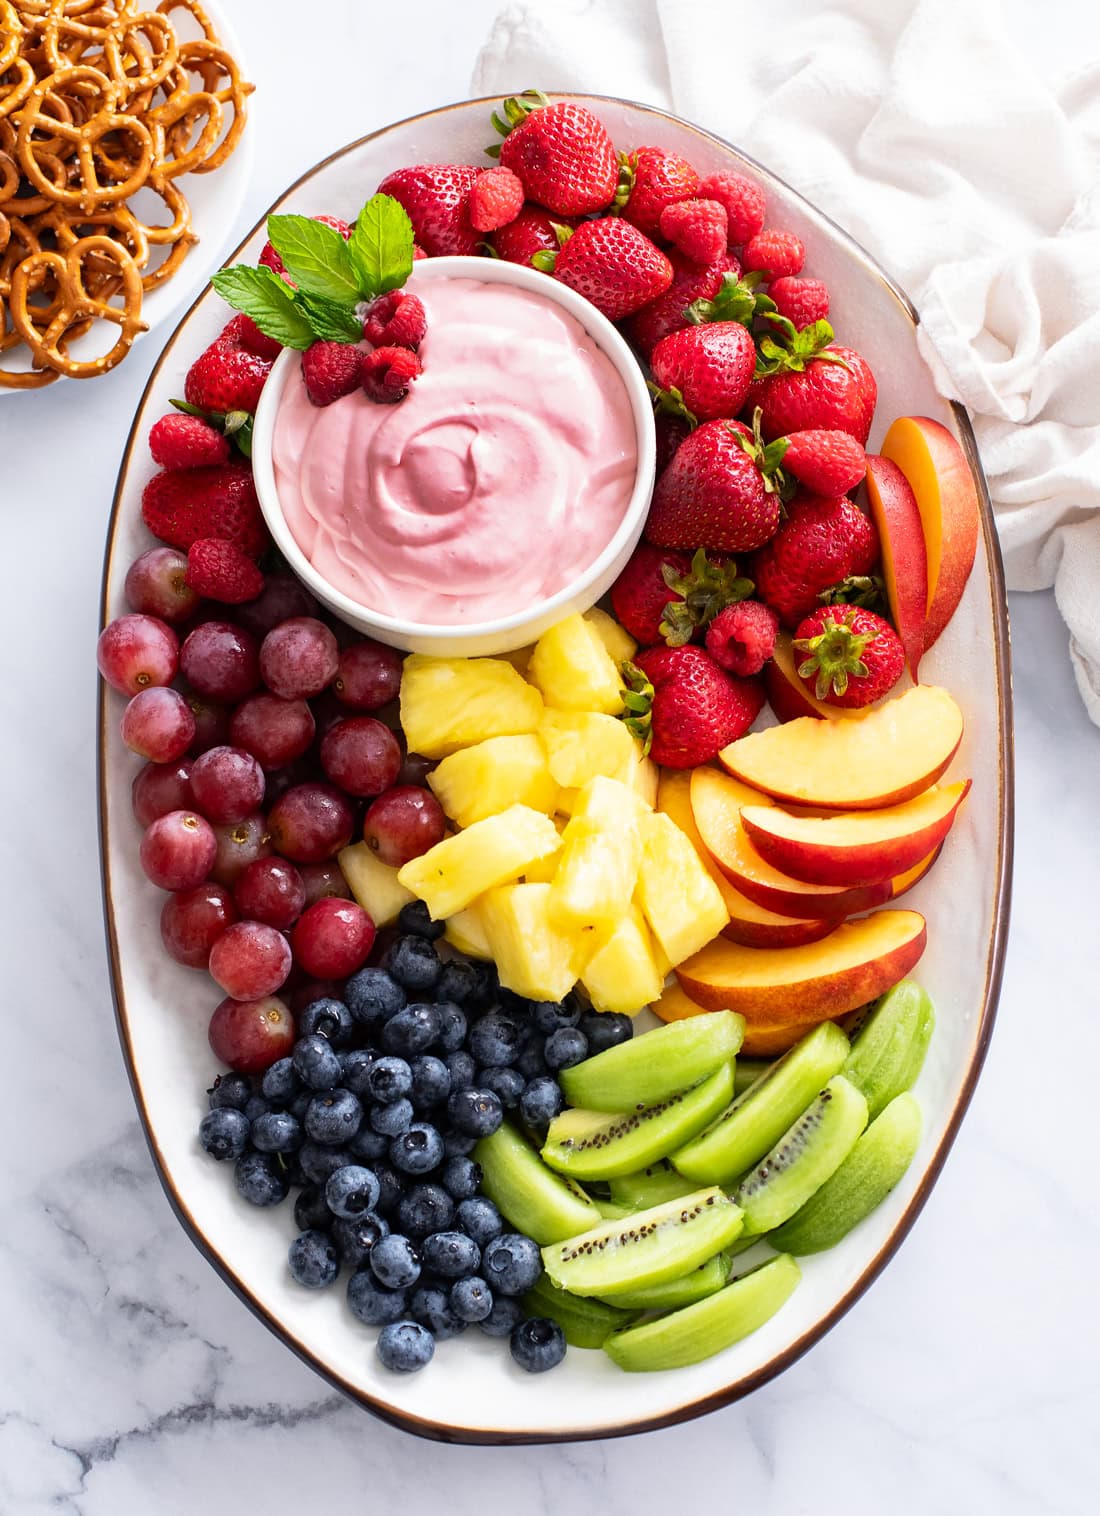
[[834, 656]]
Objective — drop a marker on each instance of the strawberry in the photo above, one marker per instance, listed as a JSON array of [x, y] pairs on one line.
[[743, 200], [694, 708], [801, 301], [697, 228], [612, 264], [562, 153], [847, 655], [665, 595], [331, 370], [396, 320], [435, 197], [822, 542], [186, 505], [243, 331], [713, 495], [653, 179], [825, 463], [834, 390], [671, 431], [669, 312], [531, 232], [708, 368], [218, 570], [226, 377], [387, 373], [775, 253], [496, 197], [270, 258], [741, 638], [180, 441]]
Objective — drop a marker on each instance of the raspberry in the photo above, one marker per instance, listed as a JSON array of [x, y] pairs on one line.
[[496, 197], [219, 571], [743, 200], [396, 320], [777, 254], [331, 370], [388, 372], [697, 228], [180, 441], [802, 301], [742, 637]]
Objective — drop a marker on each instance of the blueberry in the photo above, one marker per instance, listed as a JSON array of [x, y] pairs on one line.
[[295, 1178], [311, 1212], [431, 1306], [459, 981], [479, 1219], [462, 1069], [471, 1299], [540, 1102], [458, 1144], [230, 1092], [280, 1083], [260, 1180], [389, 1079], [328, 1018], [551, 1015], [506, 1084], [424, 1209], [431, 1082], [394, 1262], [537, 1344], [461, 1177], [371, 1303], [497, 1039], [417, 1151], [316, 1063], [531, 1063], [277, 1132], [355, 1239], [369, 1144], [333, 1117], [298, 1104], [565, 1047], [504, 1316], [405, 1346], [372, 996], [257, 1106], [415, 919], [392, 1186], [452, 1025], [223, 1133], [511, 1263], [476, 1112], [452, 1254], [393, 1119], [318, 1161], [351, 1191], [313, 1260], [487, 988], [414, 963], [605, 1029], [412, 1030], [354, 1070]]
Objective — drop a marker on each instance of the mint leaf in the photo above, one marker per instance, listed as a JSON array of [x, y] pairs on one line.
[[316, 257], [381, 247], [261, 294], [331, 321]]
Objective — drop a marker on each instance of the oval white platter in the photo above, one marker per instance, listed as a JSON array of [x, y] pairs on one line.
[[472, 1390]]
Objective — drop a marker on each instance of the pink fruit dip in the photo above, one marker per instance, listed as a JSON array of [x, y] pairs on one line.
[[496, 481]]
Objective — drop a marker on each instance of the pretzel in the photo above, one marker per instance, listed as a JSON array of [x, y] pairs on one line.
[[74, 303]]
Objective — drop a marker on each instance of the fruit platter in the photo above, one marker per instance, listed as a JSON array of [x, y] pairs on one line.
[[550, 620]]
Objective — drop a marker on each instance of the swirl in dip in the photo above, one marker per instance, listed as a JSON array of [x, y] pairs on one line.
[[498, 479]]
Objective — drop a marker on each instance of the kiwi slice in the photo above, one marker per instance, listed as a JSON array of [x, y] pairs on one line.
[[889, 1043], [744, 1132], [748, 1071], [586, 1323], [686, 1290], [650, 1186], [805, 1156], [698, 1331], [649, 1247], [610, 1210], [593, 1145], [863, 1180], [545, 1205], [645, 1070]]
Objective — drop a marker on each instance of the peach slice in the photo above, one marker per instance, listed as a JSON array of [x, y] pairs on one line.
[[854, 847], [763, 1040], [947, 498], [788, 697], [822, 980], [890, 753], [912, 877], [896, 514], [753, 924]]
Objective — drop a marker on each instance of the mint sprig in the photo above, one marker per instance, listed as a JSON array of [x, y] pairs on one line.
[[261, 294], [381, 245]]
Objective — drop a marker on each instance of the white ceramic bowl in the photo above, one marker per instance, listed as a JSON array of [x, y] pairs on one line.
[[507, 632]]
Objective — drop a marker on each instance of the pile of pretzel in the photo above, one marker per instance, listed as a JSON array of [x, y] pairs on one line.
[[99, 99]]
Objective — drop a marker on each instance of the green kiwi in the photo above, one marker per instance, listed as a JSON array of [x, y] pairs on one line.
[[863, 1180], [745, 1131], [649, 1247], [535, 1200], [646, 1069], [686, 1290], [593, 1145], [585, 1322], [805, 1156], [748, 1071], [889, 1043], [610, 1210], [698, 1331], [650, 1186]]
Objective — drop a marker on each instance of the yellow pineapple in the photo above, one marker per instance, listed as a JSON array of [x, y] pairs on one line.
[[682, 903], [623, 975], [460, 868], [581, 744], [374, 884], [519, 658], [601, 853], [573, 669], [615, 638], [465, 931], [641, 775], [534, 957], [449, 703], [481, 780]]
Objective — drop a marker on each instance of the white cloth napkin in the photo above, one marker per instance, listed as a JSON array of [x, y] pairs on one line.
[[926, 128]]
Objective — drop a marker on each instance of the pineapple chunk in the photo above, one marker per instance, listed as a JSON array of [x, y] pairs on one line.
[[449, 703], [465, 931], [374, 884], [615, 638], [582, 744], [641, 775], [481, 780], [460, 868], [519, 658], [542, 871], [601, 854], [623, 974], [534, 957], [573, 670], [682, 903]]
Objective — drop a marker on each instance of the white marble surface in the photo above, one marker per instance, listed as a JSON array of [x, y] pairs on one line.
[[132, 1381]]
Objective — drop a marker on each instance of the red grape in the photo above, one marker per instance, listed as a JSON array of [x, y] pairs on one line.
[[332, 938], [159, 788], [228, 784], [283, 597], [221, 661], [361, 755], [324, 881], [156, 586], [403, 823], [137, 651], [310, 823], [251, 1035], [177, 850], [298, 658], [271, 890], [368, 676], [193, 920], [158, 724], [211, 723], [239, 843], [415, 769], [274, 731], [250, 959], [327, 711], [306, 991]]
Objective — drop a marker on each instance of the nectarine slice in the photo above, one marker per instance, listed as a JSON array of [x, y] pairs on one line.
[[905, 882], [947, 498], [788, 697], [761, 1040], [858, 962], [896, 514], [854, 847], [888, 754]]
